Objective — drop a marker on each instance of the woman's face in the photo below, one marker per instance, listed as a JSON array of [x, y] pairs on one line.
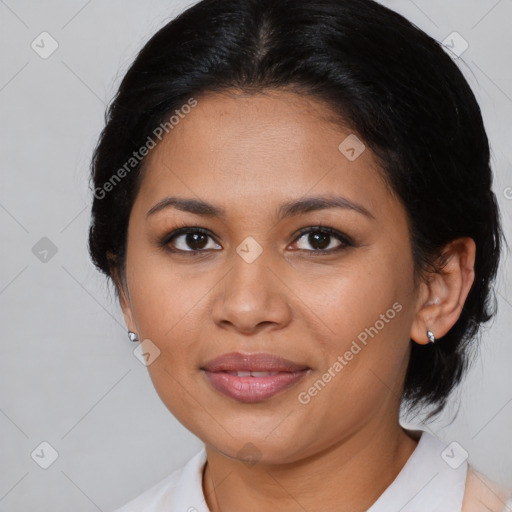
[[256, 285]]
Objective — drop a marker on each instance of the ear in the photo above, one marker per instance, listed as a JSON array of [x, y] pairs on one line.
[[123, 293], [441, 299]]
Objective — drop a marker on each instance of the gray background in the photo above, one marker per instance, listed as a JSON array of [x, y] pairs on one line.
[[68, 375]]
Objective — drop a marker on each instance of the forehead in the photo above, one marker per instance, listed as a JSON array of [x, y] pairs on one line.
[[239, 150]]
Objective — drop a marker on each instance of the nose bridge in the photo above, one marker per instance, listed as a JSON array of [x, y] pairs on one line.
[[250, 273], [251, 292]]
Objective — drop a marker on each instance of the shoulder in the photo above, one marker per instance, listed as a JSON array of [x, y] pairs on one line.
[[151, 499], [483, 495], [183, 486]]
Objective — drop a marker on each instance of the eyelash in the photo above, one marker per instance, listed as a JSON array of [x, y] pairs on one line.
[[345, 240]]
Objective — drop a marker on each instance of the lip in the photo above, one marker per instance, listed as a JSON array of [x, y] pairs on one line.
[[256, 362], [251, 389]]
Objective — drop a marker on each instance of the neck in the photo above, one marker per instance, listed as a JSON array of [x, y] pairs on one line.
[[347, 477]]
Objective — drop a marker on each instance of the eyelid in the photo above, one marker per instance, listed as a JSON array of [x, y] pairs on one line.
[[345, 239], [185, 228]]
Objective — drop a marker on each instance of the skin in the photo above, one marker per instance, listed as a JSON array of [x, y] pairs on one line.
[[248, 154]]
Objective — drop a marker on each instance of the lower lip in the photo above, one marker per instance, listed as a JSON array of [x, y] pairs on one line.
[[253, 389]]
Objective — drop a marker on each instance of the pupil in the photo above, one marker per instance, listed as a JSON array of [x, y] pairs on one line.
[[318, 238], [196, 240]]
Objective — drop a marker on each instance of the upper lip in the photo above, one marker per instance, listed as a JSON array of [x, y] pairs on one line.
[[259, 362]]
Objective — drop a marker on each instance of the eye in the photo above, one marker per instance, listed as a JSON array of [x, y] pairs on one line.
[[195, 240], [192, 240], [321, 239]]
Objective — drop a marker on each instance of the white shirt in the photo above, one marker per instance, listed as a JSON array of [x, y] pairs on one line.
[[426, 483]]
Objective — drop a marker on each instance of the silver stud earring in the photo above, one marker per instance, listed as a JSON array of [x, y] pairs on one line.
[[431, 337], [133, 336]]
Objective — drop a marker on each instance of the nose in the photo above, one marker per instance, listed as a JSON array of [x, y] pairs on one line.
[[252, 297]]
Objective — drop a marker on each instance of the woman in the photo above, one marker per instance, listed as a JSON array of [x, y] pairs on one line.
[[294, 202]]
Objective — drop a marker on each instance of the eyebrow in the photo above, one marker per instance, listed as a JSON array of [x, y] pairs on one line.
[[287, 209]]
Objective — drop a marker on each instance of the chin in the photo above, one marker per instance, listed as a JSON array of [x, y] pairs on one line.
[[252, 450]]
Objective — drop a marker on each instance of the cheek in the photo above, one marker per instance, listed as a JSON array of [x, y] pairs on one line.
[[348, 300], [166, 298], [363, 375], [366, 343]]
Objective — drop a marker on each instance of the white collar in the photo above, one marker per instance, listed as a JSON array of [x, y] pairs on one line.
[[426, 483]]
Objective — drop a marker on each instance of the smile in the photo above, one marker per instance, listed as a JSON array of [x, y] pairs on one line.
[[253, 377]]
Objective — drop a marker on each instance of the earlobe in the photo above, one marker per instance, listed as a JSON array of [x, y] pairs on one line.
[[445, 293]]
